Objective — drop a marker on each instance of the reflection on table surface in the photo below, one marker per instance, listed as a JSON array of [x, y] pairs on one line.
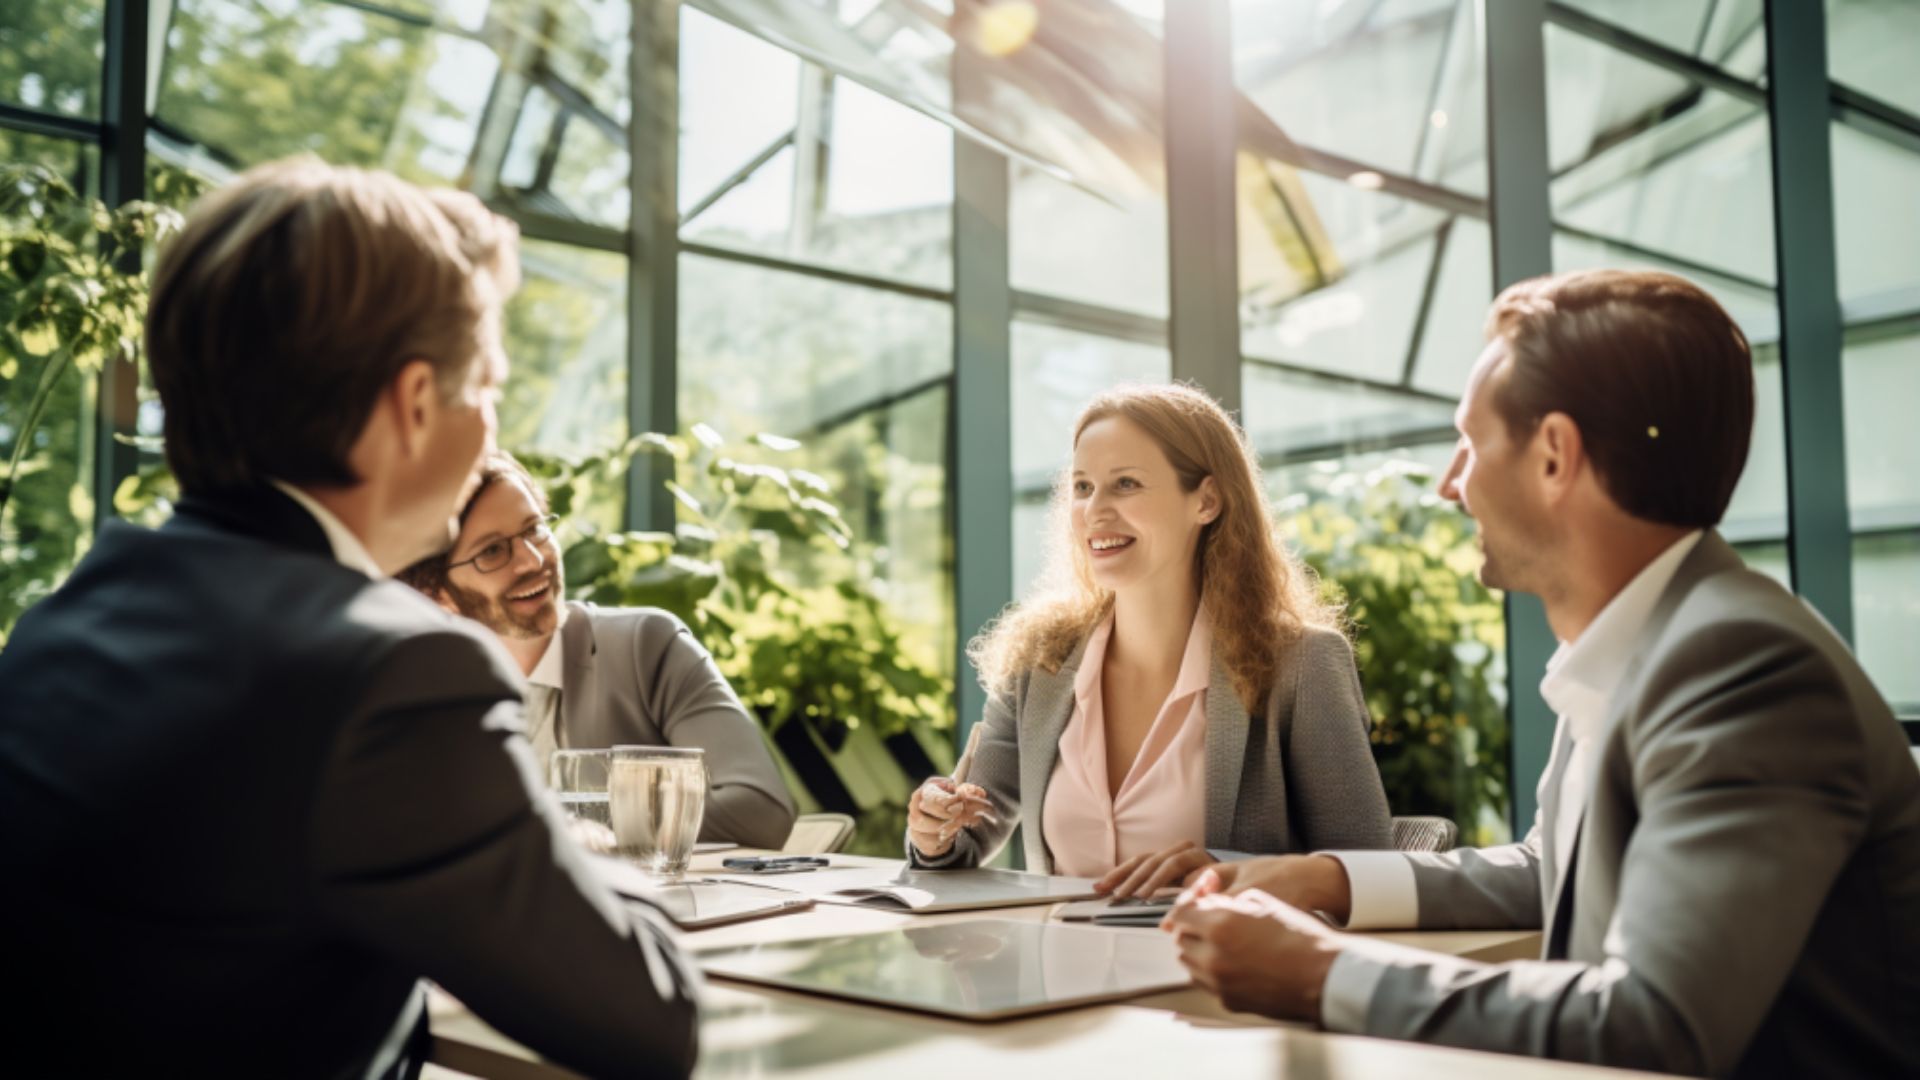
[[973, 968], [751, 1030]]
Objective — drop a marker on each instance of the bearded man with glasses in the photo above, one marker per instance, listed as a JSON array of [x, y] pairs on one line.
[[601, 677]]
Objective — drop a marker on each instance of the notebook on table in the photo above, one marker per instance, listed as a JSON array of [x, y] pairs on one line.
[[696, 903], [978, 969], [928, 891]]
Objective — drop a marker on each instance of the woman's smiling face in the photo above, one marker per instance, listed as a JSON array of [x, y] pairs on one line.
[[1128, 511]]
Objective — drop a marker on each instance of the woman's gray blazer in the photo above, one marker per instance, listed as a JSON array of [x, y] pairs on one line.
[[1299, 778]]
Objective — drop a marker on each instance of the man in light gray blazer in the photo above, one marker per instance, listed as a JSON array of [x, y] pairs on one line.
[[1727, 856], [601, 677]]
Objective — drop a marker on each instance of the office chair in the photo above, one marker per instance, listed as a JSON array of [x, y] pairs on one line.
[[818, 834], [1419, 833]]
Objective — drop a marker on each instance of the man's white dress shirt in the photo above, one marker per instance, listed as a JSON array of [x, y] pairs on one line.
[[348, 551], [543, 697], [1579, 684]]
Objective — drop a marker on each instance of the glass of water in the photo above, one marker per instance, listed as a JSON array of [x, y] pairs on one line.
[[579, 779], [657, 795]]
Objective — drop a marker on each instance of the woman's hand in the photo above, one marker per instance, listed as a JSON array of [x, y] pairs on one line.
[[1144, 875], [1311, 882], [939, 809]]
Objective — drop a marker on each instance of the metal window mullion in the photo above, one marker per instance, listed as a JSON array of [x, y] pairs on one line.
[[980, 410], [653, 269], [123, 178], [1202, 235], [1819, 540], [1520, 205]]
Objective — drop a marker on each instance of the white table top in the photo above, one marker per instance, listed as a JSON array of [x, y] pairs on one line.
[[750, 1030]]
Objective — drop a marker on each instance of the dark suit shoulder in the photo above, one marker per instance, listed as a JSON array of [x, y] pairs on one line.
[[424, 654]]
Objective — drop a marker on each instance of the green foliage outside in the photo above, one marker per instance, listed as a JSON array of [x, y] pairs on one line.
[[67, 308], [1429, 638], [766, 571], [828, 652]]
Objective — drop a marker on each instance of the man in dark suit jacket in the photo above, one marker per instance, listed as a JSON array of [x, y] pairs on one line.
[[601, 677], [250, 792]]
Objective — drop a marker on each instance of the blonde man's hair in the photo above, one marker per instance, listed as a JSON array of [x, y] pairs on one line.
[[294, 296], [1258, 595]]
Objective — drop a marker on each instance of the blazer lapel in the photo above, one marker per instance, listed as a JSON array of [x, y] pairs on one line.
[[577, 723], [1043, 718], [1710, 556], [1226, 754]]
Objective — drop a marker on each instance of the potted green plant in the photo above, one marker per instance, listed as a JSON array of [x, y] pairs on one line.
[[73, 297], [1428, 637], [762, 566]]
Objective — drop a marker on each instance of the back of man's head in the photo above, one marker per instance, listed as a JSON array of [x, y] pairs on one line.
[[1654, 373], [294, 296]]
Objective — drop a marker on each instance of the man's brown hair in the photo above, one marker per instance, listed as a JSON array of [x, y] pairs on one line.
[[429, 575], [294, 296], [1653, 372]]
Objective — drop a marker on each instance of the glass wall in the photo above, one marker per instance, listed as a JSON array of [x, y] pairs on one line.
[[1656, 171], [815, 281], [1364, 276], [816, 223], [1875, 175]]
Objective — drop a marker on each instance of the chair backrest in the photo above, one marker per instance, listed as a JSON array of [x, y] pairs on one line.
[[818, 834], [1425, 834]]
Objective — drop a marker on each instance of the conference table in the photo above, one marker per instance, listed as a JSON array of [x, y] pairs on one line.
[[749, 1030]]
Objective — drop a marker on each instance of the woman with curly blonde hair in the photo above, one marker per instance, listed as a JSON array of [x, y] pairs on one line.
[[1175, 693]]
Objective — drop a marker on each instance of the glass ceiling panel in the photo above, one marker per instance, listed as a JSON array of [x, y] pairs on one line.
[[1065, 242], [1598, 96], [1072, 86], [1680, 25], [856, 181], [1334, 80], [1737, 38], [50, 55], [738, 96], [1679, 171], [1290, 416], [1376, 265], [1871, 46]]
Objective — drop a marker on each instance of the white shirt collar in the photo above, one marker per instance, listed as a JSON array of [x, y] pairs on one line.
[[1582, 675], [348, 551], [551, 666]]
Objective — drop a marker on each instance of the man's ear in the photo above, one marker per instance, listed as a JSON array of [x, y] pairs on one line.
[[445, 600], [414, 396], [1560, 453]]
